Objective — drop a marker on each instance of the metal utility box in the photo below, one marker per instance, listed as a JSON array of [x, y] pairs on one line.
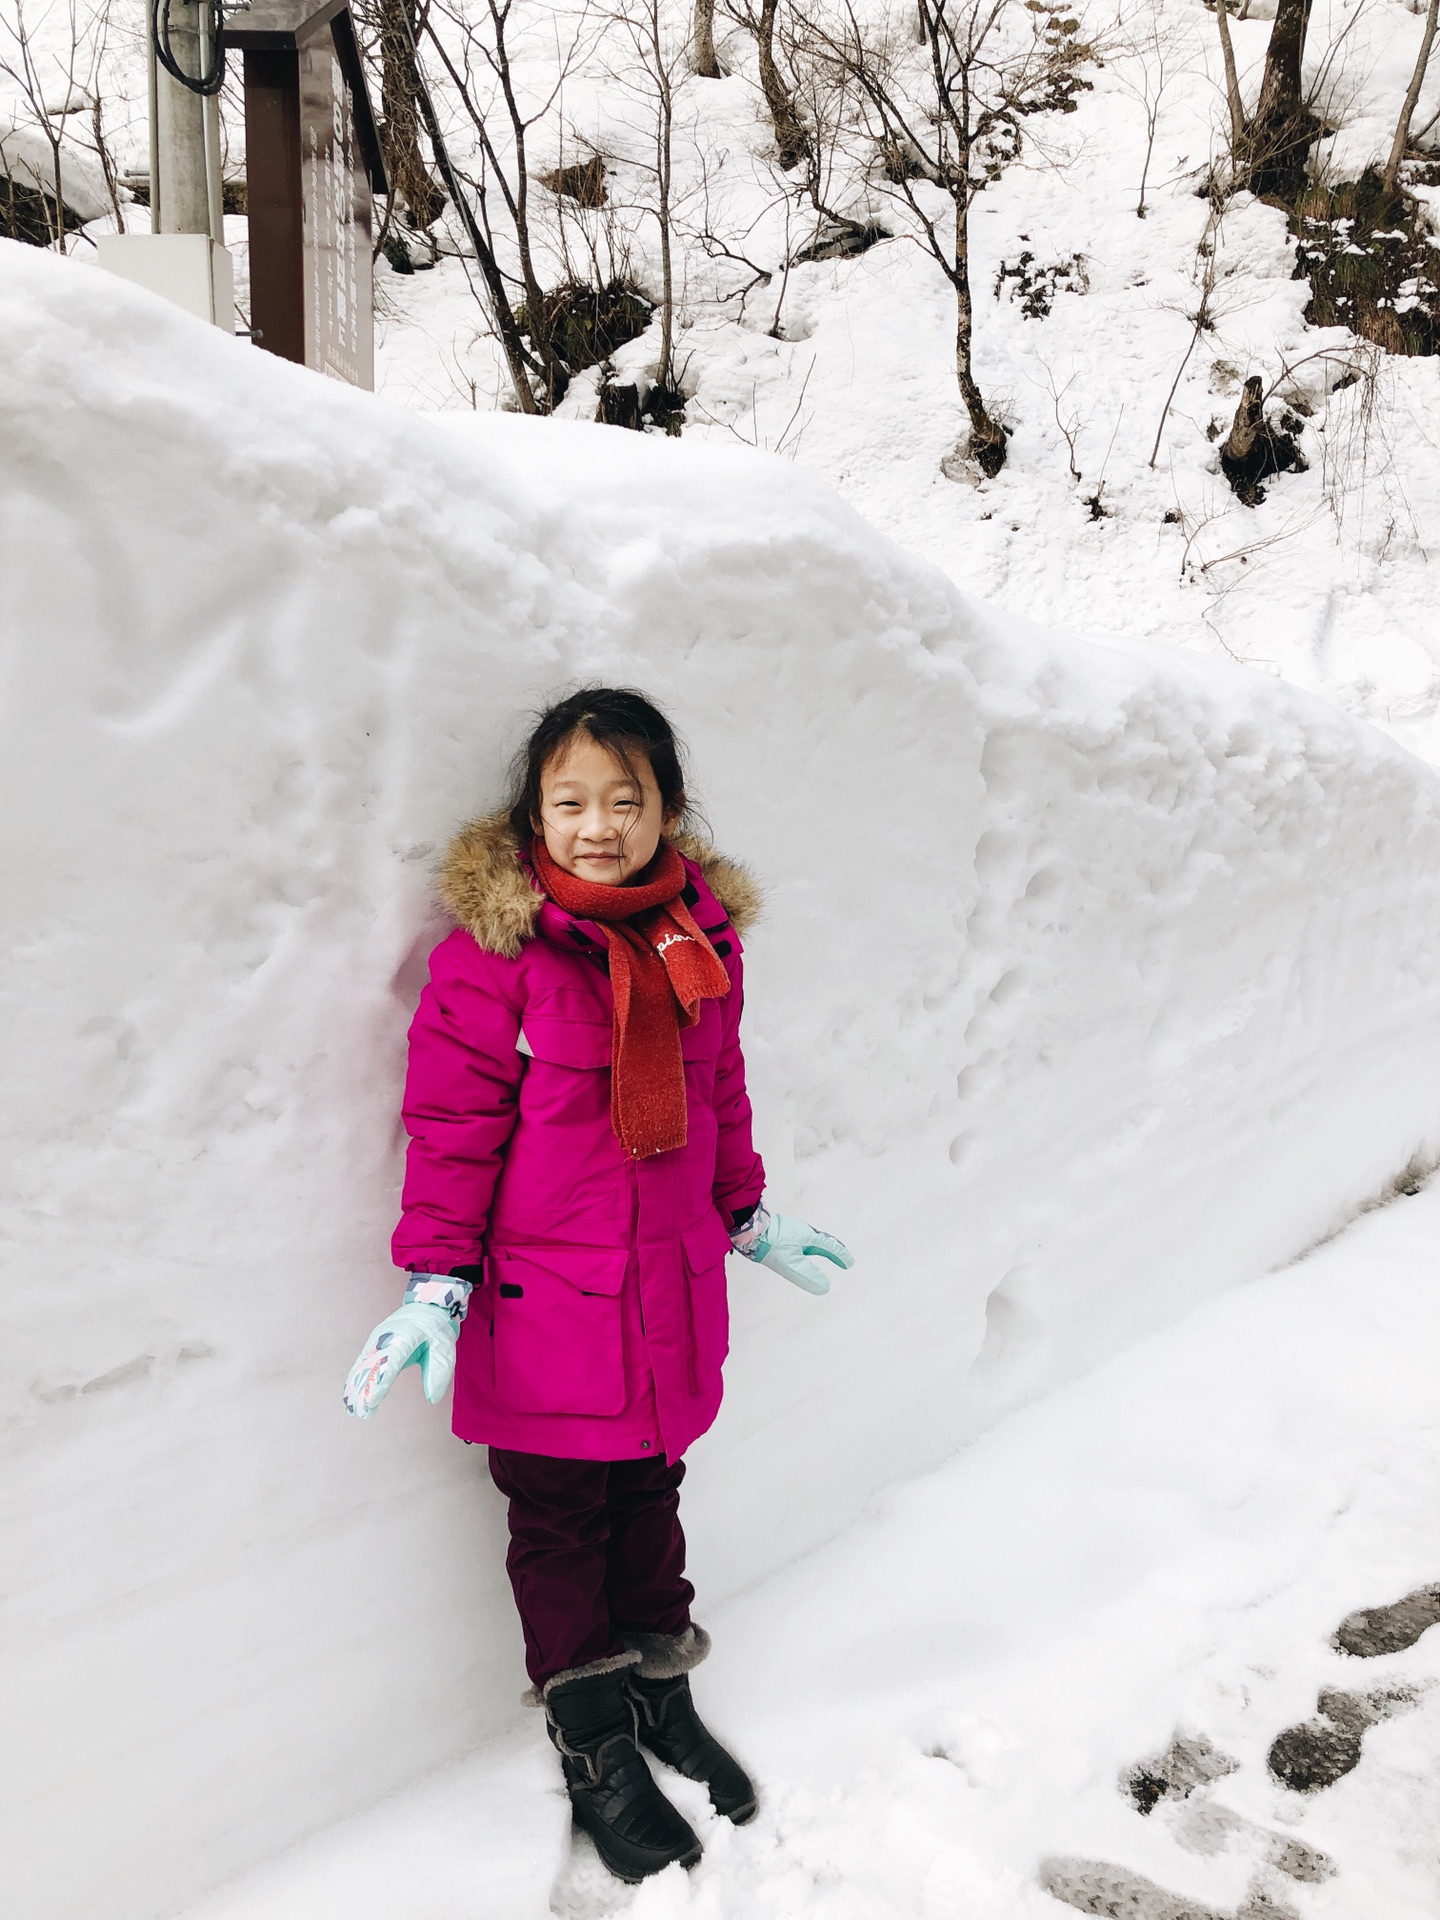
[[187, 268], [312, 163]]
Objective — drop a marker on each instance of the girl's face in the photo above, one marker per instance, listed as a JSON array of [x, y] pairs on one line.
[[598, 823]]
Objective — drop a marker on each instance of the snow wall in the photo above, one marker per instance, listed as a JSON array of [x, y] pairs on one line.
[[1092, 980]]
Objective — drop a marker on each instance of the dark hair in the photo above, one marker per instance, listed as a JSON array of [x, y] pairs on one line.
[[616, 718]]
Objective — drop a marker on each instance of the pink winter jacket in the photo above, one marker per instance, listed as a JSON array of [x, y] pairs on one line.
[[600, 1326]]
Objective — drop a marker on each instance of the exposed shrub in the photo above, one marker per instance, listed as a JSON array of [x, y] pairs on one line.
[[1371, 264], [29, 215], [584, 182], [1035, 286], [586, 326], [841, 240]]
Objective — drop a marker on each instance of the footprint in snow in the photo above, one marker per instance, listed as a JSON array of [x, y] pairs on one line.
[[1305, 1758], [1190, 1761], [1205, 1828], [1094, 1886], [1313, 1756], [1379, 1630], [1173, 1782]]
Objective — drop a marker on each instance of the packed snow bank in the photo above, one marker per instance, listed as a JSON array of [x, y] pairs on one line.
[[946, 1707], [1093, 979]]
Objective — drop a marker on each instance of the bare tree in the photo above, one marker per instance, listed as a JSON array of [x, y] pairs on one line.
[[1201, 317], [485, 84], [1412, 99], [1232, 79], [1157, 49], [1278, 137], [792, 142], [703, 60], [652, 77], [520, 362], [100, 145], [813, 111], [948, 112], [54, 67], [410, 182]]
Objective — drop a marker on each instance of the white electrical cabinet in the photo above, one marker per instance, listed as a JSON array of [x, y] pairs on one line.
[[188, 268]]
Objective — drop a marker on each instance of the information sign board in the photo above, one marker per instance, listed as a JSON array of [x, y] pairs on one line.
[[312, 164]]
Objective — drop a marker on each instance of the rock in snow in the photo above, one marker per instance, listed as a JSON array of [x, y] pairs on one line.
[[1094, 980]]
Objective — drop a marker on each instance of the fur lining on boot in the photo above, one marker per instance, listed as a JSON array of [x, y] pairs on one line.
[[665, 1656], [485, 889], [536, 1696]]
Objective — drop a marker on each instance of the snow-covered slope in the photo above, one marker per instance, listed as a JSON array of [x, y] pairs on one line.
[[848, 365], [1093, 979]]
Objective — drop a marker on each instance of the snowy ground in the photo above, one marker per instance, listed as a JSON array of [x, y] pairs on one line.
[[1142, 1001], [944, 1705], [1166, 1014]]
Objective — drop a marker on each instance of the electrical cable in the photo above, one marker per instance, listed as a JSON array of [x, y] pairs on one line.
[[205, 84]]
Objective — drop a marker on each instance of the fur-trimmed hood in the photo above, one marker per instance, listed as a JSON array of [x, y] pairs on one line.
[[484, 886]]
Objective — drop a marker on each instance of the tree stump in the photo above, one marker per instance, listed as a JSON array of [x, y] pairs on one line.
[[1256, 447]]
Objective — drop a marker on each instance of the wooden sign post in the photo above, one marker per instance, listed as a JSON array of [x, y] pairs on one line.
[[312, 162]]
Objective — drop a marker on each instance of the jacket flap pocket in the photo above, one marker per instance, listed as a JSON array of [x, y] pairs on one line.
[[587, 1269], [706, 1242], [566, 1042]]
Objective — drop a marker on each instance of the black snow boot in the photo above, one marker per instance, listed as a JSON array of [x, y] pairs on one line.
[[635, 1829], [672, 1730]]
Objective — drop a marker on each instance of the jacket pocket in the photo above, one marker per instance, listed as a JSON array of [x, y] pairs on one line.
[[558, 1332], [706, 1244], [568, 1029]]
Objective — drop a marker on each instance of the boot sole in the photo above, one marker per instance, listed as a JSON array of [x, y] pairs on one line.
[[626, 1863]]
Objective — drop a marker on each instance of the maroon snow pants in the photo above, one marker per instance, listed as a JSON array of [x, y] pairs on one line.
[[596, 1552]]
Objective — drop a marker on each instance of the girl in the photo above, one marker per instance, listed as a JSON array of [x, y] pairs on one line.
[[580, 1161]]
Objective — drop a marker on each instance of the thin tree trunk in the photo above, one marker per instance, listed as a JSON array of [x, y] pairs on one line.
[[1280, 88], [665, 373], [1277, 140], [400, 124], [1232, 79], [702, 42], [511, 342], [545, 360], [790, 135], [537, 312], [1412, 99], [987, 442], [107, 162], [1152, 116]]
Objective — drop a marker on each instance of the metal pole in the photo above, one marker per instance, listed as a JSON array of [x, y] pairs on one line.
[[184, 187], [152, 72], [210, 116]]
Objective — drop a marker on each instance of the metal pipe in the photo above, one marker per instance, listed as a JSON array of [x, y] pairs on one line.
[[214, 183], [152, 75]]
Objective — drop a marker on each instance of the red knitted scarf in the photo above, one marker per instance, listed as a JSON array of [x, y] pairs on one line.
[[661, 968]]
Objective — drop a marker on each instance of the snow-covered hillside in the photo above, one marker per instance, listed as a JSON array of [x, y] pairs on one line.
[[846, 366], [1094, 979]]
